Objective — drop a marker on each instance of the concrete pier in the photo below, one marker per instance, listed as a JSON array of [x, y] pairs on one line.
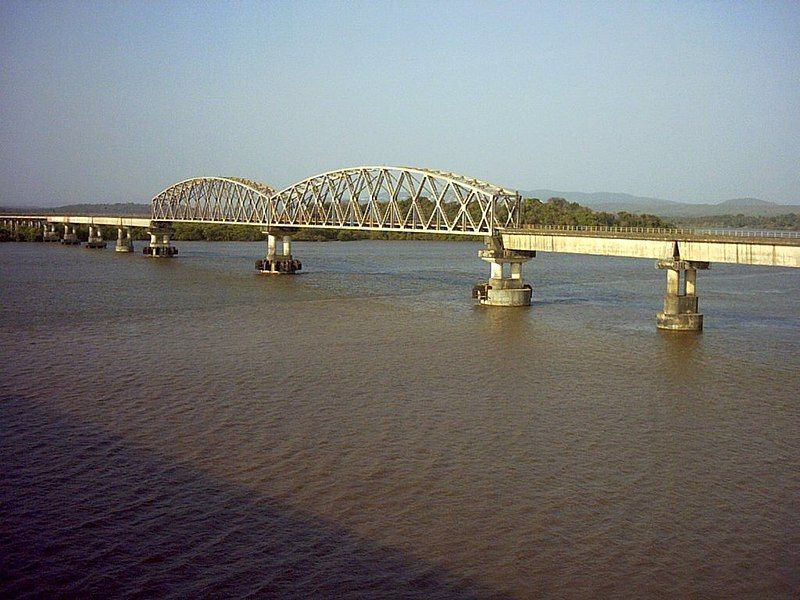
[[159, 246], [274, 263], [124, 244], [95, 238], [680, 302], [506, 286], [50, 234], [70, 236]]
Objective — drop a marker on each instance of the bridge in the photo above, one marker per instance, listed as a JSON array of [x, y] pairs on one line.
[[416, 200]]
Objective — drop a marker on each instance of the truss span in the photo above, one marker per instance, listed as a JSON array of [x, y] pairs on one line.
[[395, 199], [377, 198], [213, 200]]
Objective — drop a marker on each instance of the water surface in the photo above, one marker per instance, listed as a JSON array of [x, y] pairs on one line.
[[186, 427]]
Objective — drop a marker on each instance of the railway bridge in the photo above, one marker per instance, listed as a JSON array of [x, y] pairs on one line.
[[425, 201]]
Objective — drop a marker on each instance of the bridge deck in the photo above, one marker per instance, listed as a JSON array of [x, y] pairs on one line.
[[778, 250], [119, 221]]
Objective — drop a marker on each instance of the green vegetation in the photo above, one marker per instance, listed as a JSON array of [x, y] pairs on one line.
[[217, 233], [558, 211], [787, 222], [248, 233], [22, 234]]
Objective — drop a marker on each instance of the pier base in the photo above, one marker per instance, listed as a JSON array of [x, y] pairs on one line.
[[124, 244], [506, 286], [277, 264], [159, 246], [95, 238], [680, 302]]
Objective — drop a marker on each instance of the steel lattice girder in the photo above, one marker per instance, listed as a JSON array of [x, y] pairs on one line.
[[366, 198], [212, 199]]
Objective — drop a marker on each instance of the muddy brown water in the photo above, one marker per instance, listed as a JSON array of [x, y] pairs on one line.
[[186, 428]]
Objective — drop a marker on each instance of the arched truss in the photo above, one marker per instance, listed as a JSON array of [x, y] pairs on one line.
[[366, 198], [395, 198], [213, 200]]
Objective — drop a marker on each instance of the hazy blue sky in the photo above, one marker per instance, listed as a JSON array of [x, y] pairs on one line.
[[113, 101]]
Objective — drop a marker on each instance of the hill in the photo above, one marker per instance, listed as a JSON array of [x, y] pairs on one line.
[[745, 203], [616, 202]]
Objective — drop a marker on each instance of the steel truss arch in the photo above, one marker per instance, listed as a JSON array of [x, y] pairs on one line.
[[213, 200], [377, 198], [388, 198]]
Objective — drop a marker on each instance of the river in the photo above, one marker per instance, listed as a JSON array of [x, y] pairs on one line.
[[185, 427]]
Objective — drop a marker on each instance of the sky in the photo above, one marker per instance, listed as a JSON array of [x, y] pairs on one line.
[[114, 101]]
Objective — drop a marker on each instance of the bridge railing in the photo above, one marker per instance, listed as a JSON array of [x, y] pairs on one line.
[[744, 233]]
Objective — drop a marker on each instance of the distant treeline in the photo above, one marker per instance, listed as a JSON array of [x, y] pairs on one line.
[[248, 233], [788, 222], [558, 211], [21, 234]]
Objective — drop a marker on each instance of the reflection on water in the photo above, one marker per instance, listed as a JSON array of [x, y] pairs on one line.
[[681, 348], [187, 427]]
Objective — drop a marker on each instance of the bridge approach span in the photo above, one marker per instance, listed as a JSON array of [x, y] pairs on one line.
[[735, 247], [92, 220]]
